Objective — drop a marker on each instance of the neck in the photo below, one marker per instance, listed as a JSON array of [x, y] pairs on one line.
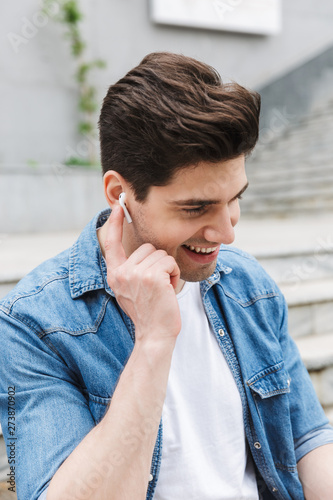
[[101, 236]]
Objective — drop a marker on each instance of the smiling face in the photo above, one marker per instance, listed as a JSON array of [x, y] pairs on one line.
[[191, 216]]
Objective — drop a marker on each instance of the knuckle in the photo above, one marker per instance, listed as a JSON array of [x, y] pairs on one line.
[[149, 247], [115, 277], [170, 260], [161, 252], [134, 274], [148, 278], [108, 244]]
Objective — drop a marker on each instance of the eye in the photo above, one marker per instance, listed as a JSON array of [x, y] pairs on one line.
[[239, 197], [195, 211]]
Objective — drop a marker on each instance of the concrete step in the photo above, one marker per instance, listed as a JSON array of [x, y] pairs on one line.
[[269, 155], [20, 253], [310, 305], [6, 287], [299, 172], [329, 413], [262, 203], [292, 172], [317, 352], [291, 250], [257, 210], [295, 267], [5, 494]]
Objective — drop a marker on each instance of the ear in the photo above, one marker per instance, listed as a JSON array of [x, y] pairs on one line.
[[114, 184]]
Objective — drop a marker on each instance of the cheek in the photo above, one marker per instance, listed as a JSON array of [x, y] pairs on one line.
[[177, 232]]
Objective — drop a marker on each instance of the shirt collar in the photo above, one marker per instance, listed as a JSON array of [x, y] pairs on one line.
[[87, 267]]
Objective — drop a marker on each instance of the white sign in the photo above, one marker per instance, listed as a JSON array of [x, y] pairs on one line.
[[262, 17]]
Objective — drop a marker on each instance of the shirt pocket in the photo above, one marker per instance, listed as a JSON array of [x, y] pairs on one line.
[[271, 381], [270, 390]]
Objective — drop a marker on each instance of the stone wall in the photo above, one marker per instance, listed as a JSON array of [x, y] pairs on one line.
[[38, 95]]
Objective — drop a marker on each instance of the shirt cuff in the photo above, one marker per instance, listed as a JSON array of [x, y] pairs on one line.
[[313, 439]]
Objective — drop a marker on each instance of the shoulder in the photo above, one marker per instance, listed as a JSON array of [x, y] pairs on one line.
[[244, 278], [241, 262], [38, 287]]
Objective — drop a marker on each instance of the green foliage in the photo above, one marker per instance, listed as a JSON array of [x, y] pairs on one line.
[[77, 44], [32, 163], [87, 102], [85, 128], [76, 161], [84, 68], [70, 16], [71, 12]]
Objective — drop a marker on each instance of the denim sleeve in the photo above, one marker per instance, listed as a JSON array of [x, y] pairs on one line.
[[312, 440], [52, 414], [308, 420]]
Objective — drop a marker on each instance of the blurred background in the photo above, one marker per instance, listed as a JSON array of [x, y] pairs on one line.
[[57, 61]]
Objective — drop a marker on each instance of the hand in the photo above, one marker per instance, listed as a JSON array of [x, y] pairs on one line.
[[143, 284]]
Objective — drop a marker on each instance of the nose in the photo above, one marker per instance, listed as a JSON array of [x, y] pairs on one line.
[[221, 226]]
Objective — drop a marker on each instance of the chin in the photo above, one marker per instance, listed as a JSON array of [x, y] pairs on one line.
[[197, 274]]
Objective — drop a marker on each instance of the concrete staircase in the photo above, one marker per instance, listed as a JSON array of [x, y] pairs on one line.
[[292, 173]]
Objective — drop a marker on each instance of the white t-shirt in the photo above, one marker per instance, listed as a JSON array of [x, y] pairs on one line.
[[204, 456]]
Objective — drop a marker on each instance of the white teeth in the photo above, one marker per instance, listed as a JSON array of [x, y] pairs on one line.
[[201, 250]]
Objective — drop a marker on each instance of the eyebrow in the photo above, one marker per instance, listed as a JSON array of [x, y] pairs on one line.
[[192, 202]]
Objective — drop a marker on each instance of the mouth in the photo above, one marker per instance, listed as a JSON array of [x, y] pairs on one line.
[[202, 250], [201, 255]]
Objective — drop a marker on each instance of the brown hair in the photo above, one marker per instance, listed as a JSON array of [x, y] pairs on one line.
[[171, 112]]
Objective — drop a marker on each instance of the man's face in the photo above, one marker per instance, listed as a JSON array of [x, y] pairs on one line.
[[190, 217]]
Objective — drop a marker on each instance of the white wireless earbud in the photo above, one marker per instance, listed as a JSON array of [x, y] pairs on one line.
[[122, 198]]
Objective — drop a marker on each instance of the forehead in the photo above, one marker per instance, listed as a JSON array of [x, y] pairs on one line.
[[207, 180]]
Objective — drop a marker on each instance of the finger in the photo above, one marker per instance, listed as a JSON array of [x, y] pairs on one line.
[[147, 256], [169, 266], [174, 273], [114, 250], [142, 253]]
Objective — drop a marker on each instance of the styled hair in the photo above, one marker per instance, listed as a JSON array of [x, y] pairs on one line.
[[171, 112]]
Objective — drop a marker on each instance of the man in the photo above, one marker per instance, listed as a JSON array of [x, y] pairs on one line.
[[151, 360]]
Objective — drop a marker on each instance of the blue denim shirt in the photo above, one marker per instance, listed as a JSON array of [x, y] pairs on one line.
[[65, 341]]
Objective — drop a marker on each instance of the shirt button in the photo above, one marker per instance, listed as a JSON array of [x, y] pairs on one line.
[[221, 332], [151, 477], [274, 490], [257, 445]]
